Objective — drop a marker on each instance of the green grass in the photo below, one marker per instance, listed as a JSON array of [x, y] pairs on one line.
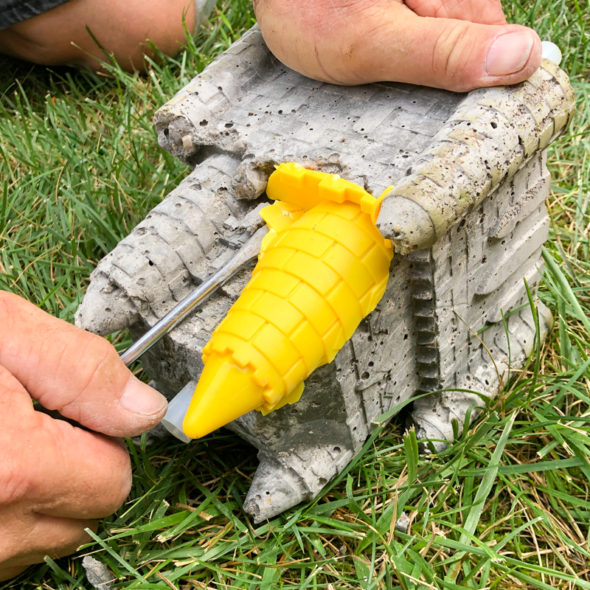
[[505, 506]]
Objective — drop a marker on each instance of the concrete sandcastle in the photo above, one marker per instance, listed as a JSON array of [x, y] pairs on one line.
[[466, 217]]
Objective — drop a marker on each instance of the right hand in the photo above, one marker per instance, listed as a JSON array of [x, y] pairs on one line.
[[55, 478], [453, 44]]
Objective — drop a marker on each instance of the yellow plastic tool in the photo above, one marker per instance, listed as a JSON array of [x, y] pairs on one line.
[[322, 268]]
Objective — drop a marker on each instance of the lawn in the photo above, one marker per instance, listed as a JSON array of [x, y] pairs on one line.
[[507, 505]]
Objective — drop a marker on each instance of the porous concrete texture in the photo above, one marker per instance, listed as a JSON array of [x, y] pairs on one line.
[[467, 218]]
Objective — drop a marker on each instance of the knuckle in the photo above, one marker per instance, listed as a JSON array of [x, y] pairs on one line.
[[117, 485], [99, 349], [15, 475], [451, 53], [106, 479], [98, 371], [94, 480], [14, 479]]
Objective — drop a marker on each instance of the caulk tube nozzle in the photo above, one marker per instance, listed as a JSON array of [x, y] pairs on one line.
[[551, 52], [177, 408]]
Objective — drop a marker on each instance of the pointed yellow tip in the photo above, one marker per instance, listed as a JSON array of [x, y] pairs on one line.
[[224, 392]]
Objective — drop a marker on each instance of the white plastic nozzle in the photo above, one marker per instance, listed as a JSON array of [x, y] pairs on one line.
[[177, 408], [551, 52]]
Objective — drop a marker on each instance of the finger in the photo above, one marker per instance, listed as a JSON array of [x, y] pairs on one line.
[[489, 12], [37, 537], [53, 467], [75, 372], [90, 474]]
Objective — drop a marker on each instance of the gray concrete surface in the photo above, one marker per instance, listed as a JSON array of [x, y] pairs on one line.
[[467, 218]]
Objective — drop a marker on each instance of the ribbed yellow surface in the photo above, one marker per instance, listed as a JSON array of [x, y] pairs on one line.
[[323, 267]]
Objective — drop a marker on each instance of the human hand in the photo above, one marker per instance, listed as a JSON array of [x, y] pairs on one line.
[[458, 45], [55, 478]]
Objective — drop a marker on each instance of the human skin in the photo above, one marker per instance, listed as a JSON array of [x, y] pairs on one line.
[[56, 479], [457, 45], [61, 36]]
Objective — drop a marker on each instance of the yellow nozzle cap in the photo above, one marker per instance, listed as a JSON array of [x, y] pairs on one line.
[[224, 392]]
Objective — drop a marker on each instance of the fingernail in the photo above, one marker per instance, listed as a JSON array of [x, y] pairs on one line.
[[141, 399], [509, 53]]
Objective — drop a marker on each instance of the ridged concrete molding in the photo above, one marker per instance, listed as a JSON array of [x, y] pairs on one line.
[[467, 218]]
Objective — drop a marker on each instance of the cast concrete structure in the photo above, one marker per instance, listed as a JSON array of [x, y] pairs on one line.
[[467, 219]]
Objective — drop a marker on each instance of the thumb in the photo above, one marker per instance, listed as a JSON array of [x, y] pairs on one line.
[[75, 372], [459, 55], [456, 55]]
